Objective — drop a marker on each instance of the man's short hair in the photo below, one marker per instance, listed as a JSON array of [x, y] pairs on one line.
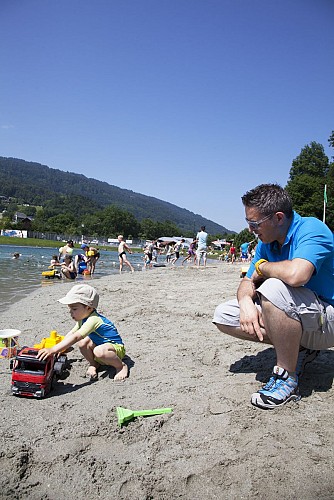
[[202, 228], [268, 199]]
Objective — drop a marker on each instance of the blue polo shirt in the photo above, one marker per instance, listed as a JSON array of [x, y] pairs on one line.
[[310, 239]]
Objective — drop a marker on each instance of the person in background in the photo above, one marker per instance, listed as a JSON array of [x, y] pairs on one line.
[[80, 263], [67, 268], [201, 252], [287, 296], [169, 253], [66, 250], [54, 262], [232, 253], [92, 255], [122, 248], [177, 248], [191, 252], [147, 262], [244, 251]]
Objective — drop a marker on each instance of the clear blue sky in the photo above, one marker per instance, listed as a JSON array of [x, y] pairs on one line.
[[191, 101]]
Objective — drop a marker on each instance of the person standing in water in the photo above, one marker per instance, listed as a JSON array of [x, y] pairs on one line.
[[122, 248]]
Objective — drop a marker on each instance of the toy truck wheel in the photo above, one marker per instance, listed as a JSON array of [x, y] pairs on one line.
[[53, 382], [58, 367]]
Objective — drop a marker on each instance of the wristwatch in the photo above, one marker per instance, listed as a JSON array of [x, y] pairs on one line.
[[257, 264]]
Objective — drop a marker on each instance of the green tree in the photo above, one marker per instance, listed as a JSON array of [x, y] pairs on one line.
[[115, 221], [152, 230], [307, 180], [148, 230], [331, 140], [242, 237], [330, 189]]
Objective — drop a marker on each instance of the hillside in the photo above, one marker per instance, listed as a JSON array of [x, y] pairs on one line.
[[34, 183]]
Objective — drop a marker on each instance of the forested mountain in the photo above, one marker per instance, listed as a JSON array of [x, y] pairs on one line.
[[38, 184]]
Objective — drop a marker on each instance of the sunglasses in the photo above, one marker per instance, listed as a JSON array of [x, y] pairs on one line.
[[255, 224]]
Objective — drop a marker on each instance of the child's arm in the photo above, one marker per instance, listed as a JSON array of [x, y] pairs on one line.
[[70, 339]]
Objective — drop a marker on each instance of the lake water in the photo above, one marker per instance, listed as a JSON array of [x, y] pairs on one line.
[[18, 277]]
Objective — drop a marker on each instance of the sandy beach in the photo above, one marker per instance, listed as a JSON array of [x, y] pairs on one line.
[[214, 445]]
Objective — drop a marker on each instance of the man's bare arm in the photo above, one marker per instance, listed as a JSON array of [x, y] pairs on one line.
[[295, 272], [249, 314]]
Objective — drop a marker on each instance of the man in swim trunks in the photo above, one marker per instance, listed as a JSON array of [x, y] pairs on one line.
[[122, 247]]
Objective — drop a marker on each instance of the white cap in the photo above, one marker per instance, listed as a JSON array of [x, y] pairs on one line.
[[81, 294]]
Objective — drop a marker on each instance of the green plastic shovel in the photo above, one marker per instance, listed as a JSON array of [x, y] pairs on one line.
[[124, 415]]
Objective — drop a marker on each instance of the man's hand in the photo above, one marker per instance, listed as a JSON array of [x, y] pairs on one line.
[[44, 353], [257, 279], [250, 318]]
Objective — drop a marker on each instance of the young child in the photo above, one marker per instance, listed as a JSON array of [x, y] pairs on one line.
[[54, 261], [68, 269], [92, 255], [147, 261], [97, 337]]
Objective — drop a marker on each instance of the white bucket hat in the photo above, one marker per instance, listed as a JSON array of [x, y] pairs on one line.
[[81, 294]]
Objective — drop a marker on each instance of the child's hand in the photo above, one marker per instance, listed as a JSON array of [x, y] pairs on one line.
[[44, 353]]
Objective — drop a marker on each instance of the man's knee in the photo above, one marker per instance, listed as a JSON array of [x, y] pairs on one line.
[[274, 293], [272, 284], [227, 314]]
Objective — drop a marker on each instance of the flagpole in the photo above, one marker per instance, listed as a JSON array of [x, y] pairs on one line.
[[325, 201]]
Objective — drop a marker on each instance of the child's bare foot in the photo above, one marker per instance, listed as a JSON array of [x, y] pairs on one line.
[[92, 373], [122, 373]]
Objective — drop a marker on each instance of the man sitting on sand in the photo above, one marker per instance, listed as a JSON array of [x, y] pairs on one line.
[[287, 296], [97, 337]]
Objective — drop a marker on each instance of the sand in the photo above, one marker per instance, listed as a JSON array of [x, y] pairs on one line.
[[214, 445]]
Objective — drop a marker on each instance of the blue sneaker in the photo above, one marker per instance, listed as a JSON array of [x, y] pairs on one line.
[[304, 358], [280, 389]]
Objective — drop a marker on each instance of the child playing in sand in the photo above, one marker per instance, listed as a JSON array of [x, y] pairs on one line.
[[97, 337]]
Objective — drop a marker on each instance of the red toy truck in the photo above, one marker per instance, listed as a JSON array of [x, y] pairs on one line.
[[32, 377]]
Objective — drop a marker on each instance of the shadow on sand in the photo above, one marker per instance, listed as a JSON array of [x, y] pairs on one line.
[[109, 371], [317, 377]]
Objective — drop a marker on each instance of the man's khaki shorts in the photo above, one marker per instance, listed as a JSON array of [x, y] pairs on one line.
[[301, 304]]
